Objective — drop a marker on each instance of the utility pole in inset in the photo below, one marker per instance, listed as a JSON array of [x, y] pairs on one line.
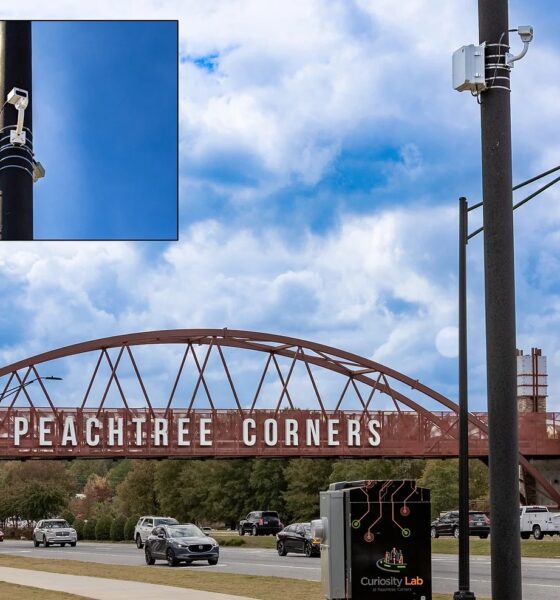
[[17, 164], [500, 302]]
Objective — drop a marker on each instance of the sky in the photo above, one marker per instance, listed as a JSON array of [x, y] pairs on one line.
[[105, 129], [322, 155]]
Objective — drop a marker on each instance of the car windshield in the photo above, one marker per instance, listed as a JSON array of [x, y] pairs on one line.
[[165, 522], [55, 524], [185, 531]]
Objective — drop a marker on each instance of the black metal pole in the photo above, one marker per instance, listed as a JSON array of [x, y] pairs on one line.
[[16, 181], [464, 592], [500, 305]]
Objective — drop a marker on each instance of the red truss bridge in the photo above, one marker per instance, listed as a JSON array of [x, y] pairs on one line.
[[223, 393]]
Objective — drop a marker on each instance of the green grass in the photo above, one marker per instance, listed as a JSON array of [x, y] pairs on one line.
[[22, 592], [251, 586], [547, 548]]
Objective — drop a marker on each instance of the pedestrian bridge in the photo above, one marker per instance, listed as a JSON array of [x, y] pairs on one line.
[[226, 393]]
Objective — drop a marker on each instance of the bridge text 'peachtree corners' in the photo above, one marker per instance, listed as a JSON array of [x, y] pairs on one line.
[[118, 429]]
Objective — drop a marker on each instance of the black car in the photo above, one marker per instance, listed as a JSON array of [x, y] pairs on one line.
[[260, 522], [448, 524], [297, 538], [180, 543]]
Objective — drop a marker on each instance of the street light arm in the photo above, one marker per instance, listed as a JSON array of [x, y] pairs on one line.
[[16, 389], [521, 202], [536, 178], [539, 191]]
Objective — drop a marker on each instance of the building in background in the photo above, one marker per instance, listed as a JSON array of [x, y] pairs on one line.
[[532, 392]]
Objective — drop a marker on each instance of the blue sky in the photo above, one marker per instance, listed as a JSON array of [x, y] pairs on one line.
[[105, 125], [322, 152]]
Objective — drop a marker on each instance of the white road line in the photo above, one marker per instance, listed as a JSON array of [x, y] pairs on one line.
[[252, 564]]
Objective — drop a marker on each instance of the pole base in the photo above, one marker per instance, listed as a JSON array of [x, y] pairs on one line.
[[464, 595]]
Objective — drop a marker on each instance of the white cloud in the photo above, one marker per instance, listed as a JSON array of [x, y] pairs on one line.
[[366, 287]]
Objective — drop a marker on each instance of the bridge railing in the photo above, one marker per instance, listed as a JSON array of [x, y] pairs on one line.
[[138, 432]]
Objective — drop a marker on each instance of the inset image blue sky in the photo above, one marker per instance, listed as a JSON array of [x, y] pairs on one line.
[[105, 129]]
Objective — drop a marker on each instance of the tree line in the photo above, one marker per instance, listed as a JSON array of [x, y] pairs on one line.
[[216, 492]]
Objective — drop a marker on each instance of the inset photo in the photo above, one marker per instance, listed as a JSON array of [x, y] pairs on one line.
[[89, 130]]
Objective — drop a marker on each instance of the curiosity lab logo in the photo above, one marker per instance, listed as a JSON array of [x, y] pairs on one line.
[[392, 562]]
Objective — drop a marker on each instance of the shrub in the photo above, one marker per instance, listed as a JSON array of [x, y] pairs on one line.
[[129, 526], [89, 529], [68, 515], [117, 529], [79, 527], [103, 528]]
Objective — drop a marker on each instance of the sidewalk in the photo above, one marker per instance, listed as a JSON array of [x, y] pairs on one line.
[[105, 589]]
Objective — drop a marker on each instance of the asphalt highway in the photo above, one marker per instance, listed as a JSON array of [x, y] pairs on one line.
[[541, 577]]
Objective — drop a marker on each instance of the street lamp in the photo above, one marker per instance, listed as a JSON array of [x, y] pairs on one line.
[[24, 384], [464, 592]]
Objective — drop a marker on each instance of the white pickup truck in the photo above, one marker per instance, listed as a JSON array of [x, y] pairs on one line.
[[537, 520]]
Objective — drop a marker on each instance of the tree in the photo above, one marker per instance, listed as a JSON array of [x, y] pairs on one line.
[[229, 496], [89, 529], [442, 477], [169, 488], [268, 484], [305, 477], [81, 470], [129, 526], [103, 528], [34, 489], [117, 529], [136, 494], [79, 527], [194, 487], [118, 472]]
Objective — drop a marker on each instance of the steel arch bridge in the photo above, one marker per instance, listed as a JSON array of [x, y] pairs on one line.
[[230, 393]]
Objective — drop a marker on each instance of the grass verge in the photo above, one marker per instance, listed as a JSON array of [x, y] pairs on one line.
[[547, 548], [251, 586], [22, 592]]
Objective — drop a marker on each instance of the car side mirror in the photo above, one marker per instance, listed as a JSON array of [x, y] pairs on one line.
[[161, 535]]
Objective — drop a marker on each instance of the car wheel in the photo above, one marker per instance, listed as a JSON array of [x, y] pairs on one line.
[[255, 531], [188, 562], [35, 542], [139, 543], [73, 544], [45, 543], [483, 536], [434, 533], [281, 547], [456, 533], [241, 530], [212, 561], [170, 556], [525, 536], [308, 550], [537, 533], [150, 560]]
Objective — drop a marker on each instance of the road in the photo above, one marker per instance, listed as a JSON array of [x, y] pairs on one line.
[[541, 577]]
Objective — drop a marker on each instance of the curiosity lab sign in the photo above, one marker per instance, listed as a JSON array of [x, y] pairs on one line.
[[187, 432]]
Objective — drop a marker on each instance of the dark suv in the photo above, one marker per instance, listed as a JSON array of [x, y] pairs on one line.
[[448, 524], [260, 522]]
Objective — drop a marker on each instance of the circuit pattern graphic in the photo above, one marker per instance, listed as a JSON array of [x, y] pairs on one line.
[[387, 498]]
